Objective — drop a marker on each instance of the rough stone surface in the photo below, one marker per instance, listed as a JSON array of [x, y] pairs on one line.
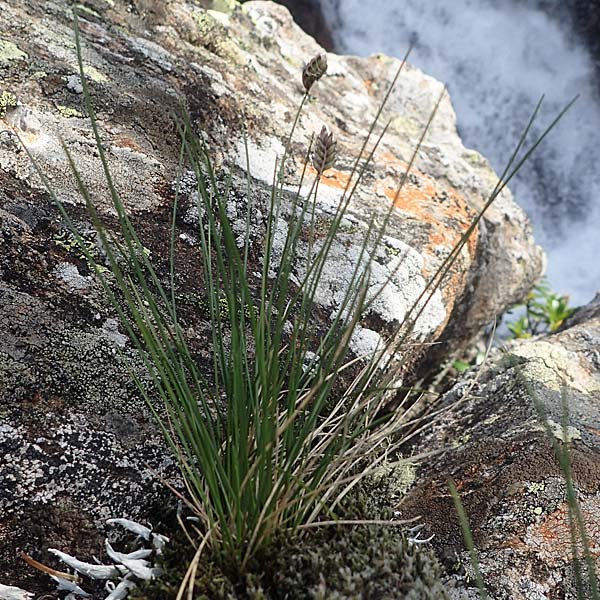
[[76, 443], [502, 461], [242, 67]]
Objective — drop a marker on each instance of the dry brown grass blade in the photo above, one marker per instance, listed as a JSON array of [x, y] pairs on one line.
[[190, 574], [46, 569]]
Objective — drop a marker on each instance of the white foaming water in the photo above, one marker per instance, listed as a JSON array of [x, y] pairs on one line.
[[498, 59]]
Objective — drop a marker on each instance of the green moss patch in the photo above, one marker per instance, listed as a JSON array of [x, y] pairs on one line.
[[329, 562]]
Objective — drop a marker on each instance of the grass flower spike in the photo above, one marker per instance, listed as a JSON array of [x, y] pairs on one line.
[[314, 70], [325, 151]]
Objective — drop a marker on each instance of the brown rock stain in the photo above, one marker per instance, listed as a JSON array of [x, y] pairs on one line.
[[369, 85], [124, 141]]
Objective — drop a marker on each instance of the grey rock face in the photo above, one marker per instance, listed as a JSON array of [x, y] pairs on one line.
[[501, 458]]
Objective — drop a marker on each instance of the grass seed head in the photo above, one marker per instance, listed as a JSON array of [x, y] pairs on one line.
[[314, 69], [324, 153]]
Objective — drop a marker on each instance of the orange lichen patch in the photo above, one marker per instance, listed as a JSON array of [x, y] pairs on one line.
[[369, 85], [124, 141], [448, 216], [442, 207], [331, 177], [446, 211], [551, 538], [428, 201]]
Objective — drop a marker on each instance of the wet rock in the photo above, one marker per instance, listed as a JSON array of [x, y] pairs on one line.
[[502, 460]]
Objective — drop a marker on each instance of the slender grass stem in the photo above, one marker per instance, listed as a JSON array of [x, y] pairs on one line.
[[468, 538]]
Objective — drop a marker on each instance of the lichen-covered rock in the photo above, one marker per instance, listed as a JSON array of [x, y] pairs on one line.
[[509, 480], [239, 65], [78, 442]]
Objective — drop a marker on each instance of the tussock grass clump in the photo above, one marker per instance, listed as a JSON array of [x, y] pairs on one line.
[[278, 433]]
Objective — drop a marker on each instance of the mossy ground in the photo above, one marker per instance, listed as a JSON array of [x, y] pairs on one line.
[[330, 562], [343, 562]]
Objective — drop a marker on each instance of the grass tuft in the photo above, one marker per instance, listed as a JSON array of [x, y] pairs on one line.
[[287, 421]]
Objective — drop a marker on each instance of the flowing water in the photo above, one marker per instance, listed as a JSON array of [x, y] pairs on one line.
[[497, 59]]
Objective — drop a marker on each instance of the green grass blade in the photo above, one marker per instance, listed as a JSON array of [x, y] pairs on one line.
[[467, 538]]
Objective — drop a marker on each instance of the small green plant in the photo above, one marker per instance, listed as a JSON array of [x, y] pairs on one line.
[[467, 538], [545, 312], [462, 365], [277, 434]]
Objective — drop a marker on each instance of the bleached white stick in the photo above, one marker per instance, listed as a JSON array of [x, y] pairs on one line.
[[88, 569], [9, 592]]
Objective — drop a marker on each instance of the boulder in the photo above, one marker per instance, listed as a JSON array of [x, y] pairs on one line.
[[78, 445], [494, 446]]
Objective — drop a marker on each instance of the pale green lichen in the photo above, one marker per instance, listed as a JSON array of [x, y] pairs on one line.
[[406, 125], [67, 242], [10, 52], [553, 365], [7, 101], [224, 6], [205, 22], [87, 372], [88, 10], [535, 488], [392, 251], [215, 37], [349, 226], [564, 434], [397, 477], [68, 111], [461, 441], [94, 74], [474, 158], [491, 419]]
